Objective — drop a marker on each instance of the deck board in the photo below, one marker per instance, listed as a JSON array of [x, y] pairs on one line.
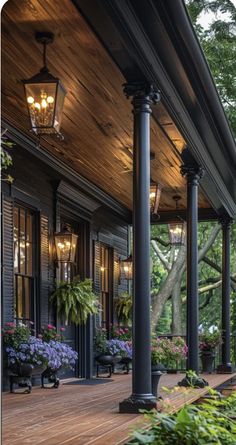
[[83, 415]]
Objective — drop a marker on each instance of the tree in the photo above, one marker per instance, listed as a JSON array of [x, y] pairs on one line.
[[218, 41]]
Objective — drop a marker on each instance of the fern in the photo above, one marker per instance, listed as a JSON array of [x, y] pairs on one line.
[[123, 307], [75, 301]]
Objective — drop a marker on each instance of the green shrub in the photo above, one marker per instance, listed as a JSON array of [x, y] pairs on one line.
[[206, 424]]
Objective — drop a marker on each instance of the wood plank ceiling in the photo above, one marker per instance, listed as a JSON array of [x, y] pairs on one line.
[[97, 120]]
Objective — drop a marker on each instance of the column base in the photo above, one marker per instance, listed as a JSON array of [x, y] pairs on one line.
[[193, 382], [133, 404], [225, 369]]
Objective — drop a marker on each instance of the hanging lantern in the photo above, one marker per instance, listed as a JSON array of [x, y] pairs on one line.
[[177, 228], [155, 195], [176, 233], [126, 268], [44, 95], [65, 242]]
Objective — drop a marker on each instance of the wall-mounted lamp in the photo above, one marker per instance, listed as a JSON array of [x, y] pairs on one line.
[[65, 242], [45, 95], [126, 268], [177, 228]]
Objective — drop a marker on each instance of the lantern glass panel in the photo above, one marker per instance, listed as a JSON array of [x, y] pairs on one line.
[[41, 102], [154, 197], [177, 233], [66, 247], [59, 107]]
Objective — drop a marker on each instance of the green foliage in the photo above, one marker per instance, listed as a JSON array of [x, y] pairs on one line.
[[209, 340], [14, 335], [100, 341], [75, 300], [218, 41], [204, 424], [123, 307], [6, 159]]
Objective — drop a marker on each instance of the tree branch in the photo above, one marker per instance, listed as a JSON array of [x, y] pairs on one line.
[[160, 255], [202, 252]]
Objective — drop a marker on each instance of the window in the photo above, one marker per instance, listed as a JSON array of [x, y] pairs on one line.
[[24, 267], [106, 265]]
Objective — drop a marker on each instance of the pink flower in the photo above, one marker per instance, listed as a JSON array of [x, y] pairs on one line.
[[126, 330], [50, 326], [10, 332], [10, 324], [62, 329]]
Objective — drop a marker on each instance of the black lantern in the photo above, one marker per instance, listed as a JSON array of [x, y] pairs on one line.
[[126, 267], [65, 242], [177, 228], [44, 95], [155, 195]]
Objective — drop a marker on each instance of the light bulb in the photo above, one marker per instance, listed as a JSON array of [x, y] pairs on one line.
[[30, 100], [152, 195], [37, 105], [50, 99], [44, 103]]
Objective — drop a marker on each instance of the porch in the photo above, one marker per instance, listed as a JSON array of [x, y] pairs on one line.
[[78, 414]]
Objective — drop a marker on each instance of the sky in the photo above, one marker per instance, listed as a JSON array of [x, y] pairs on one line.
[[206, 18]]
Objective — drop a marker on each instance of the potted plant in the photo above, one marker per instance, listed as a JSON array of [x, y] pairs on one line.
[[25, 354], [103, 357], [207, 345], [123, 307], [157, 367], [174, 350], [63, 357], [75, 300]]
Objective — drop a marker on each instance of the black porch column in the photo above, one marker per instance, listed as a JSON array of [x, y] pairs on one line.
[[193, 174], [143, 96], [225, 366]]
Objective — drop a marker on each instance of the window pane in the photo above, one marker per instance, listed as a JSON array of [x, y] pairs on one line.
[[22, 224], [15, 224], [16, 251], [22, 257], [29, 227], [27, 298], [19, 297], [29, 267]]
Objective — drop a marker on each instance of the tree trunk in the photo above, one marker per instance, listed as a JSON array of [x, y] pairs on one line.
[[176, 326]]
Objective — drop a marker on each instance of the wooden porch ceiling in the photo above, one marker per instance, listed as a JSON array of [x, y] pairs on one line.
[[97, 120]]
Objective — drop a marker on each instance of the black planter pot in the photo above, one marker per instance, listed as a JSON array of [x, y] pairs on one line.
[[207, 358], [157, 371], [52, 378], [126, 361], [21, 376], [105, 361]]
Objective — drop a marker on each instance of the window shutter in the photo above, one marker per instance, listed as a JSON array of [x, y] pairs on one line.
[[97, 275], [7, 260], [44, 266]]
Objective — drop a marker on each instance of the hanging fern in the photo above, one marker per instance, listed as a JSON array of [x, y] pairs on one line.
[[123, 307], [75, 301]]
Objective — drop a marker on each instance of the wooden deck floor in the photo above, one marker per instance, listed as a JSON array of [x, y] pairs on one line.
[[82, 414]]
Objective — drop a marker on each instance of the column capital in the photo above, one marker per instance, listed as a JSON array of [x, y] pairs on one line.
[[193, 173], [225, 221], [143, 93]]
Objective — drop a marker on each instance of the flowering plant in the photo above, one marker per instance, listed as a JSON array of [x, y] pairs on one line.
[[14, 334], [170, 350], [46, 350], [119, 347], [121, 333], [50, 333], [33, 351], [209, 340], [64, 356]]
